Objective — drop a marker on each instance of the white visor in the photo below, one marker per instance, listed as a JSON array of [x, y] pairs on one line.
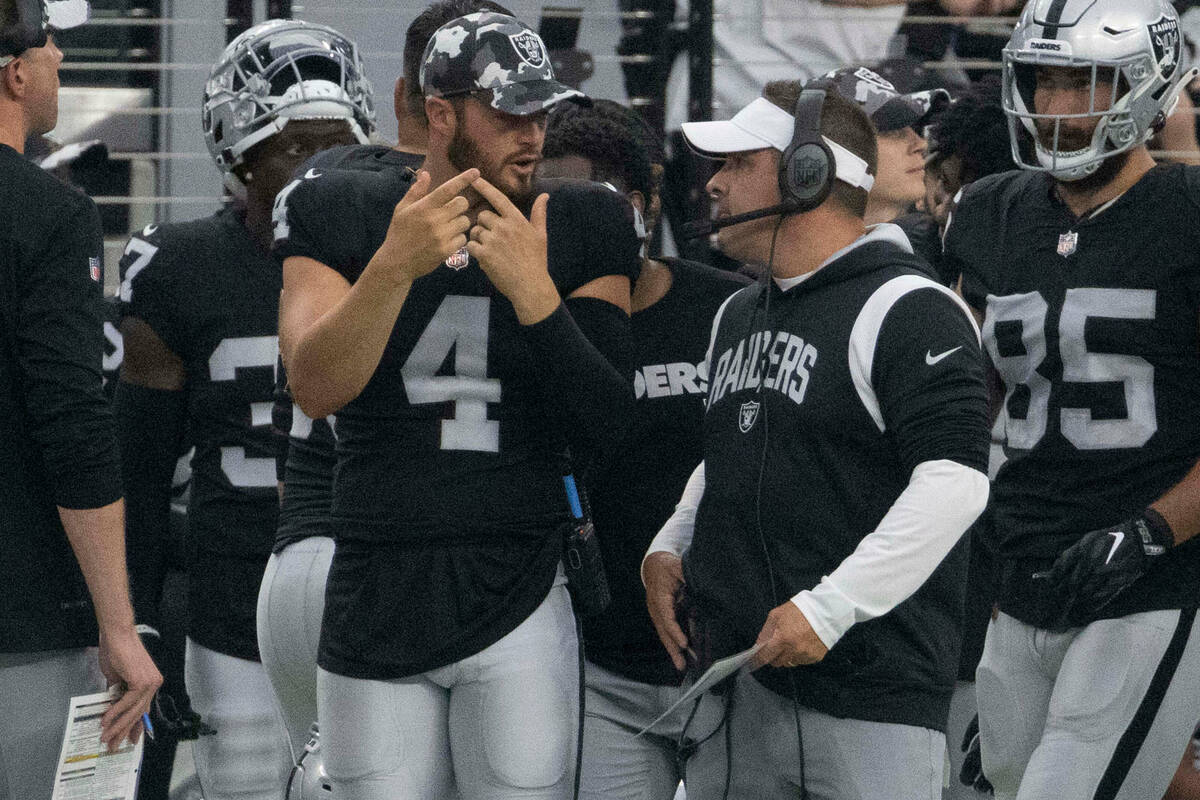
[[763, 124], [64, 14]]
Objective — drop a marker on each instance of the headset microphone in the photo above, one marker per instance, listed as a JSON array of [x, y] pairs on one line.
[[694, 230]]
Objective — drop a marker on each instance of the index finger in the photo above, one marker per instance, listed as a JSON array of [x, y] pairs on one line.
[[455, 186], [499, 200]]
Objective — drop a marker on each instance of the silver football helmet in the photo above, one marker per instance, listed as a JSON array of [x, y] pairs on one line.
[[308, 780], [1135, 46], [278, 71]]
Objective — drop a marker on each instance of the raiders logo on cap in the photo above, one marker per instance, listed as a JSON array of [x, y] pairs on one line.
[[529, 47]]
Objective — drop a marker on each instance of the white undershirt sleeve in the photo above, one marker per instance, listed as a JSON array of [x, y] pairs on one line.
[[943, 498], [675, 536]]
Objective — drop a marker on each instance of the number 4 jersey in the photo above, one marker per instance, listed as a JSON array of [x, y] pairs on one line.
[[213, 297], [448, 490], [1092, 325]]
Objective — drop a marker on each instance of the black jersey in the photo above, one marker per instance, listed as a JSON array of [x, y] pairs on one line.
[[307, 473], [308, 458], [364, 157], [114, 347], [57, 443], [213, 297], [641, 483], [821, 402], [448, 489], [1093, 327]]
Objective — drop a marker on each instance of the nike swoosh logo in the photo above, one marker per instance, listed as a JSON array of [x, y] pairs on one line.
[[931, 359], [1118, 537], [312, 173], [149, 230]]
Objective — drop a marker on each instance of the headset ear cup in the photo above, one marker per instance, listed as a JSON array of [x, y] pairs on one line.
[[807, 171]]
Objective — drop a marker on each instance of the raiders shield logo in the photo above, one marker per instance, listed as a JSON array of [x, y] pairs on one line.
[[1164, 36], [748, 415], [529, 48]]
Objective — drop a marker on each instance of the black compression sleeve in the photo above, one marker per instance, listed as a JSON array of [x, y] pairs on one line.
[[583, 390], [150, 424]]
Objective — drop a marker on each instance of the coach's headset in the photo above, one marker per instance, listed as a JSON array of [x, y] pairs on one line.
[[807, 170], [36, 20]]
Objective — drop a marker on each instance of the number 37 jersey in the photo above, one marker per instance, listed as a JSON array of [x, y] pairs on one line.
[[1092, 326]]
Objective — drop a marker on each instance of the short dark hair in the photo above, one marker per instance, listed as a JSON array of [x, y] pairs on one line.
[[417, 37], [975, 129], [620, 146], [844, 122]]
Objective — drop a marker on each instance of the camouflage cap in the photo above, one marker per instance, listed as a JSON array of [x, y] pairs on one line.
[[496, 52], [888, 109]]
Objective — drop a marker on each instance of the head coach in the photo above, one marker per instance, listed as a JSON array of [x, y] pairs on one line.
[[61, 514], [845, 451]]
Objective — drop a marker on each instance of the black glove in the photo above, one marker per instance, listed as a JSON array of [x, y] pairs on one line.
[[971, 773], [1105, 562]]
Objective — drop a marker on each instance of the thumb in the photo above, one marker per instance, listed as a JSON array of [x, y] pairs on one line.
[[419, 189], [537, 214]]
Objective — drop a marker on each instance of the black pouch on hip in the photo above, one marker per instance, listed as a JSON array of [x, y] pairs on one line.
[[582, 561], [586, 580]]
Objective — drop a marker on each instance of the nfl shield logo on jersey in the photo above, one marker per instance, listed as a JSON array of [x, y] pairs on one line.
[[748, 415], [1067, 243], [94, 269]]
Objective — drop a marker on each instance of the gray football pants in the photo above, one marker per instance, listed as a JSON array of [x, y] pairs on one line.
[[844, 759], [615, 763], [35, 693], [248, 758], [1103, 712], [498, 725], [291, 602]]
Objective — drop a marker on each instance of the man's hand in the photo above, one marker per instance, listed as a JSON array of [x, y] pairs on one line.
[[125, 662], [788, 640], [1105, 562], [663, 573], [426, 227], [511, 250]]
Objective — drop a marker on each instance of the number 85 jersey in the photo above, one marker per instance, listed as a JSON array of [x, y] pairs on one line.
[[1093, 328]]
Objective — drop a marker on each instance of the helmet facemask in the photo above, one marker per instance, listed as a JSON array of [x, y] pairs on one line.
[[268, 77], [1127, 100]]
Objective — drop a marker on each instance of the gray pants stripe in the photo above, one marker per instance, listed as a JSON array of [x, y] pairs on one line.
[[1139, 727]]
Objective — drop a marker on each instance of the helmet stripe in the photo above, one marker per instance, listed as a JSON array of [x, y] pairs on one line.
[[1053, 17]]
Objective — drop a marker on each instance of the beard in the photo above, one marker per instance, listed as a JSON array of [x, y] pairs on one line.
[[464, 152]]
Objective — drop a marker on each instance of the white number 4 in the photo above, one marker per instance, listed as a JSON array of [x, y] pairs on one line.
[[461, 324]]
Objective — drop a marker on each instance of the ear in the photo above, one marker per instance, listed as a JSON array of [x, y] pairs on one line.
[[442, 119], [14, 79]]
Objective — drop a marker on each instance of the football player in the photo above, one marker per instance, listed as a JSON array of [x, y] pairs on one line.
[[845, 449], [422, 312], [200, 302], [292, 596], [1084, 270], [630, 680]]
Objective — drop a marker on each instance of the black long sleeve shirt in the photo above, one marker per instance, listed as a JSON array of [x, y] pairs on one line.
[[57, 446]]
